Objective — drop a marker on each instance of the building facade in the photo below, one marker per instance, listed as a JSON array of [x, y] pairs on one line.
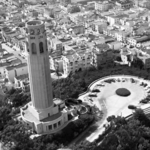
[[76, 61]]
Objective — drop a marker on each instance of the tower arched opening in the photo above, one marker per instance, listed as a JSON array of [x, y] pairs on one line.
[[41, 47]]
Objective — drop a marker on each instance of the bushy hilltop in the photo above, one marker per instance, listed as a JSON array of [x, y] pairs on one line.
[[71, 87], [122, 134]]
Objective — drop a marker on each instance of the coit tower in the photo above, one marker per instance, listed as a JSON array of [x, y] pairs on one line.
[[38, 65], [44, 114]]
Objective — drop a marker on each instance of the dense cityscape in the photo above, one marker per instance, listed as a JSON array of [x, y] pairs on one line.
[[74, 75]]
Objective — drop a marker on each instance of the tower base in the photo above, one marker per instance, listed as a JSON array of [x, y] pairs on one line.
[[56, 118]]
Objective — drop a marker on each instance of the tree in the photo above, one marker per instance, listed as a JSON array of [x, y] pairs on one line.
[[5, 116], [16, 136], [137, 63], [132, 107]]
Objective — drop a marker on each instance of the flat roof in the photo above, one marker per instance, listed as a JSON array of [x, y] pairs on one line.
[[20, 37], [29, 116], [57, 41], [53, 117], [7, 55], [15, 61], [16, 66], [57, 101], [22, 77], [2, 50]]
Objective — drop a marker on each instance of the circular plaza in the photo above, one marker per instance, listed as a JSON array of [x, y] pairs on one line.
[[117, 92], [113, 94]]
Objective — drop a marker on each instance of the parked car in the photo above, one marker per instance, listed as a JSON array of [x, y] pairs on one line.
[[144, 101]]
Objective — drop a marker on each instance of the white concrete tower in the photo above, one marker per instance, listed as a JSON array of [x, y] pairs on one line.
[[38, 65], [44, 114]]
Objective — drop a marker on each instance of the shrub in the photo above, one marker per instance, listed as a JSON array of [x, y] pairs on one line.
[[95, 90], [79, 101], [92, 95], [132, 107], [144, 101]]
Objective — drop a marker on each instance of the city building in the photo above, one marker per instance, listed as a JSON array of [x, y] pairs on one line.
[[144, 56], [76, 59], [103, 6], [126, 56], [44, 114], [21, 82], [101, 54], [65, 2], [124, 4], [15, 70]]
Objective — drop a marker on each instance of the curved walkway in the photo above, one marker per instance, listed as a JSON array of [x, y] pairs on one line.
[[110, 103]]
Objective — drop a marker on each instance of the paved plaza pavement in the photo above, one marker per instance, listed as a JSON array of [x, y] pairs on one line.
[[115, 104]]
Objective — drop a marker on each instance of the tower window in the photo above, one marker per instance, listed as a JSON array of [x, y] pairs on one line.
[[41, 47], [32, 38], [27, 46], [50, 127], [33, 47]]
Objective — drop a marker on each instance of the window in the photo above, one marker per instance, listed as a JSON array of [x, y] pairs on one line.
[[41, 47], [50, 127], [55, 125], [59, 123], [27, 46], [71, 63], [33, 48], [32, 38], [46, 45]]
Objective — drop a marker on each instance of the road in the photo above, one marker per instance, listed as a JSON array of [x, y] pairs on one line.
[[15, 52]]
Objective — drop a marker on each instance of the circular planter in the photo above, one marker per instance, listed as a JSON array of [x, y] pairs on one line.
[[123, 92]]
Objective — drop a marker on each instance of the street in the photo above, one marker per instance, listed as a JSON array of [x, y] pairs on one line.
[[15, 52]]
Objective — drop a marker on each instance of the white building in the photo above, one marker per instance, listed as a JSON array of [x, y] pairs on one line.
[[103, 6], [43, 114], [15, 70], [126, 56], [21, 81], [76, 61]]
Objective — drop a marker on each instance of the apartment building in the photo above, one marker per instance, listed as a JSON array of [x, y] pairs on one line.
[[126, 56], [15, 70], [21, 81], [101, 54], [103, 6], [76, 61], [126, 4], [137, 40]]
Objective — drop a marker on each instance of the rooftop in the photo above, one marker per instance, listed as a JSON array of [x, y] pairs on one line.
[[53, 117], [8, 55], [56, 41], [16, 66], [22, 77], [20, 37], [58, 101]]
